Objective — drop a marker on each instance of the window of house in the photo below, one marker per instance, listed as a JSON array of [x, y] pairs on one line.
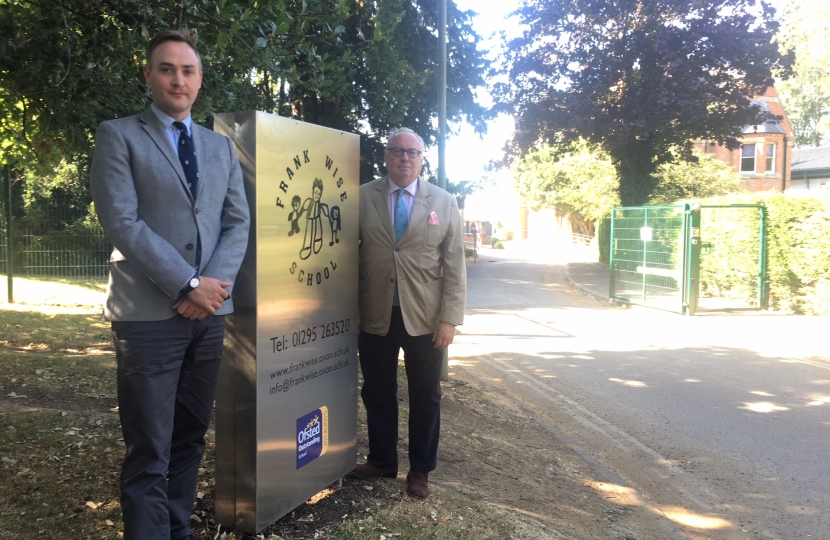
[[770, 158], [748, 157]]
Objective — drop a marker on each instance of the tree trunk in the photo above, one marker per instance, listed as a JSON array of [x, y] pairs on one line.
[[635, 164]]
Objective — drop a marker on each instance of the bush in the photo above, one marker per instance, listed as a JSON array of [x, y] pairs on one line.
[[498, 245], [508, 236], [493, 241]]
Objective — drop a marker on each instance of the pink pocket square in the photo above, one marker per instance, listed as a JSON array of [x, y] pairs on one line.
[[433, 219]]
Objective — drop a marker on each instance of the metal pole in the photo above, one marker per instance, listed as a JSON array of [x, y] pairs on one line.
[[612, 286], [645, 256], [442, 127], [694, 237], [442, 94], [689, 299], [763, 285], [9, 242]]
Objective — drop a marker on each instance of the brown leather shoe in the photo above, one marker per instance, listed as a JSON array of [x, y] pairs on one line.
[[368, 471], [417, 484]]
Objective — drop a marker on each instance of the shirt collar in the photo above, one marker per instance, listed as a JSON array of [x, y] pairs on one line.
[[411, 188], [167, 120]]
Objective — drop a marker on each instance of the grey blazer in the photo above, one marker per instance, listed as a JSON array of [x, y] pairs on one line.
[[152, 220]]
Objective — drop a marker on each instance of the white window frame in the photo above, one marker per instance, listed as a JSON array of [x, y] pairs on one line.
[[769, 157]]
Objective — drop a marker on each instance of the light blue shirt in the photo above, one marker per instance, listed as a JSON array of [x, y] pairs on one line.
[[409, 194], [171, 132]]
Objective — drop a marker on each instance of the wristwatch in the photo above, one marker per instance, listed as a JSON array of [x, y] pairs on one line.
[[192, 284]]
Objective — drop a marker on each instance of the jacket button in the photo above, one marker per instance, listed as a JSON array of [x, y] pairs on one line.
[[392, 280], [189, 246], [196, 210], [397, 249]]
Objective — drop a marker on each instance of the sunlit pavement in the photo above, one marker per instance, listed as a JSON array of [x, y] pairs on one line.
[[717, 419], [769, 333]]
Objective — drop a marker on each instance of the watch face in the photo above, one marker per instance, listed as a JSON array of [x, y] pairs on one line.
[[194, 283]]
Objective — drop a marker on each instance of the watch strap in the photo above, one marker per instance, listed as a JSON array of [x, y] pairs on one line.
[[187, 288]]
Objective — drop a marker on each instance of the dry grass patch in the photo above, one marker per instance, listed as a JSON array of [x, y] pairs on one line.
[[445, 515], [58, 473]]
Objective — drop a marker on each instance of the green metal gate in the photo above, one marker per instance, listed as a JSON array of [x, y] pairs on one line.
[[662, 257], [647, 255], [733, 273]]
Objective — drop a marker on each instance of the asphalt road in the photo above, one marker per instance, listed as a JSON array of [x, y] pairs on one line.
[[720, 424]]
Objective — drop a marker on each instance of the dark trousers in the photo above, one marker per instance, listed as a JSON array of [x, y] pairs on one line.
[[379, 364], [167, 375]]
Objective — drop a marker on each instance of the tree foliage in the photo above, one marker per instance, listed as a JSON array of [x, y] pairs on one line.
[[805, 26], [639, 78], [806, 98], [351, 65], [581, 183], [694, 179]]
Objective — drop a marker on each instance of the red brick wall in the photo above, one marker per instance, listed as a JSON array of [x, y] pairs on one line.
[[760, 180]]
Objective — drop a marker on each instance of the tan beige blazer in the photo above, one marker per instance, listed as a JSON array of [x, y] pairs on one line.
[[428, 262]]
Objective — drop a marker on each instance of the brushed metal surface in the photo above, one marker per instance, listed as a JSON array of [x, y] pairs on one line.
[[291, 348]]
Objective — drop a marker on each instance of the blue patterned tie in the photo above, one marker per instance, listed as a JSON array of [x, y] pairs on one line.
[[187, 157], [401, 223]]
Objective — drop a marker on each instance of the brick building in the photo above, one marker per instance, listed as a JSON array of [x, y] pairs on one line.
[[764, 159]]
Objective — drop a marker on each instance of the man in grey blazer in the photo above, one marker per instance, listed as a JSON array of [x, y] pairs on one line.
[[170, 197], [412, 294]]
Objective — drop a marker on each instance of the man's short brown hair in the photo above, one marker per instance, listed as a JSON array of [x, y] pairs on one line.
[[182, 36]]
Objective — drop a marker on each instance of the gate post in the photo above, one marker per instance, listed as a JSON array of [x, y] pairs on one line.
[[611, 283], [763, 282], [691, 283]]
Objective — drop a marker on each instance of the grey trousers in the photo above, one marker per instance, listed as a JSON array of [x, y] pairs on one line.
[[167, 375]]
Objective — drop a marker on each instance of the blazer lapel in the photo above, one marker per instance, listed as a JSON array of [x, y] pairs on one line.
[[154, 129], [381, 202], [420, 209], [196, 132]]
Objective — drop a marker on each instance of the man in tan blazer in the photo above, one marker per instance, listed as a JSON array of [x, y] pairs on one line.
[[412, 294]]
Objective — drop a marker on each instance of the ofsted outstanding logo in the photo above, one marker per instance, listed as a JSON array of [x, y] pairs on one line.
[[312, 436]]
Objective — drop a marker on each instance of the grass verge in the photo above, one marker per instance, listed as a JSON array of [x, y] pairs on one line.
[[61, 446]]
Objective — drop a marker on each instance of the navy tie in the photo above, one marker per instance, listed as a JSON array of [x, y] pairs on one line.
[[187, 157], [401, 223]]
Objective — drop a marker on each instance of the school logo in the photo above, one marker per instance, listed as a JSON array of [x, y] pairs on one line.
[[312, 436], [313, 215]]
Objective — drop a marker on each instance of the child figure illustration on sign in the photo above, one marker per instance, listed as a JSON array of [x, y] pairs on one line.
[[334, 220], [294, 216], [314, 211]]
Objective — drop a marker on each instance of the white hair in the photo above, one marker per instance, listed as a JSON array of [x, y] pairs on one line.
[[397, 131]]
